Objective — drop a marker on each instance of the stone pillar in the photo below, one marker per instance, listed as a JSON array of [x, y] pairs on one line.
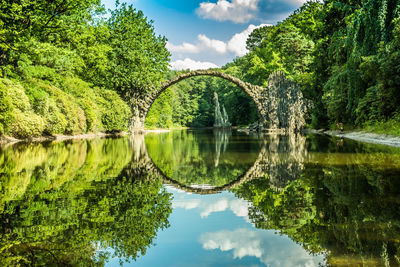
[[137, 121]]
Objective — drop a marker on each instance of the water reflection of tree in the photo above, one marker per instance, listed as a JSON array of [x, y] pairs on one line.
[[347, 209], [99, 205]]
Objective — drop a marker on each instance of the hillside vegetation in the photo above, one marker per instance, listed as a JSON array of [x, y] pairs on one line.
[[67, 69], [345, 54]]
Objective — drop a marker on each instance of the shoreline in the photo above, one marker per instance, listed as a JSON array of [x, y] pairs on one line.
[[367, 137], [361, 136], [9, 140], [6, 140]]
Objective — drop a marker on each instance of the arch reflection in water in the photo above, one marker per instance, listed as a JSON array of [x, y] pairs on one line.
[[344, 204], [188, 161], [184, 159]]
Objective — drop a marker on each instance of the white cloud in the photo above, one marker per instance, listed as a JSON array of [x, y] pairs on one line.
[[237, 44], [216, 45], [270, 248], [183, 48], [240, 207], [238, 11], [191, 64]]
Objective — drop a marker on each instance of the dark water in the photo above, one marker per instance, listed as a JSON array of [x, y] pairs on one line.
[[200, 198]]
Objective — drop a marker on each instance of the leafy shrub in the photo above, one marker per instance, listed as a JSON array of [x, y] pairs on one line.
[[45, 60], [76, 120], [5, 107], [17, 95], [26, 124], [115, 112], [86, 99], [56, 122]]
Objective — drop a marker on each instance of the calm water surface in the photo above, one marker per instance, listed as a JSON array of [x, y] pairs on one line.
[[200, 198]]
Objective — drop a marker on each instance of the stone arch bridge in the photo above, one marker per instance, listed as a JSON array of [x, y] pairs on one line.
[[142, 104], [280, 105]]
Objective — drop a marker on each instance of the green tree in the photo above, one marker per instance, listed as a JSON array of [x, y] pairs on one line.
[[138, 58]]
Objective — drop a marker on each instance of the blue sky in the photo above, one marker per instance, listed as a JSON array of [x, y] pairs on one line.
[[209, 33]]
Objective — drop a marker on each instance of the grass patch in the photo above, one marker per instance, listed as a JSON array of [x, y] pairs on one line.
[[391, 126]]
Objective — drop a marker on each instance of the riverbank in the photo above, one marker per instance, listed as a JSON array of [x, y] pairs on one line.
[[8, 140], [367, 137], [374, 138]]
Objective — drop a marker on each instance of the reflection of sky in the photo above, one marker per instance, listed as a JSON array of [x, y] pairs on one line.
[[214, 230]]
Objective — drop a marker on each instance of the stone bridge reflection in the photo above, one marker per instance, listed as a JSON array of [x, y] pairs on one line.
[[280, 157]]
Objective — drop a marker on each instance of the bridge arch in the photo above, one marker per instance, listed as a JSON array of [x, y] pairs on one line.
[[142, 105]]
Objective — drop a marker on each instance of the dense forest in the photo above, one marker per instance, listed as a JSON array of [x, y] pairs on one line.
[[69, 68], [344, 54], [66, 68]]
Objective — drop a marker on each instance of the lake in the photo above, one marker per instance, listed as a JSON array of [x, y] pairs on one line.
[[200, 198]]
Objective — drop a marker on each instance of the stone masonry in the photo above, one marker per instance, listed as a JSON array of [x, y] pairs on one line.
[[280, 105]]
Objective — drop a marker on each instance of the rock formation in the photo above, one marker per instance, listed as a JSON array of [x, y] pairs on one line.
[[285, 104], [221, 118]]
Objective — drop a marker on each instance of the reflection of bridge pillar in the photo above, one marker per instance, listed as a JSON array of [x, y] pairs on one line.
[[138, 146], [286, 156]]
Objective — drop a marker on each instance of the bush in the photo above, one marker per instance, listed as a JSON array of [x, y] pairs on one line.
[[5, 107], [38, 107], [86, 99], [17, 96], [26, 125], [76, 120], [115, 112]]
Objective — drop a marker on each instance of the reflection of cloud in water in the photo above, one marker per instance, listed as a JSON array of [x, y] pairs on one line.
[[220, 205], [270, 248], [238, 206]]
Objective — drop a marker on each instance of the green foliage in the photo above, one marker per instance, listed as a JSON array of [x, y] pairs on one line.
[[18, 118], [39, 108], [26, 125], [115, 112], [161, 112], [68, 57], [5, 107], [343, 53], [355, 62], [138, 58], [390, 126], [190, 103], [343, 204], [68, 202], [183, 149]]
